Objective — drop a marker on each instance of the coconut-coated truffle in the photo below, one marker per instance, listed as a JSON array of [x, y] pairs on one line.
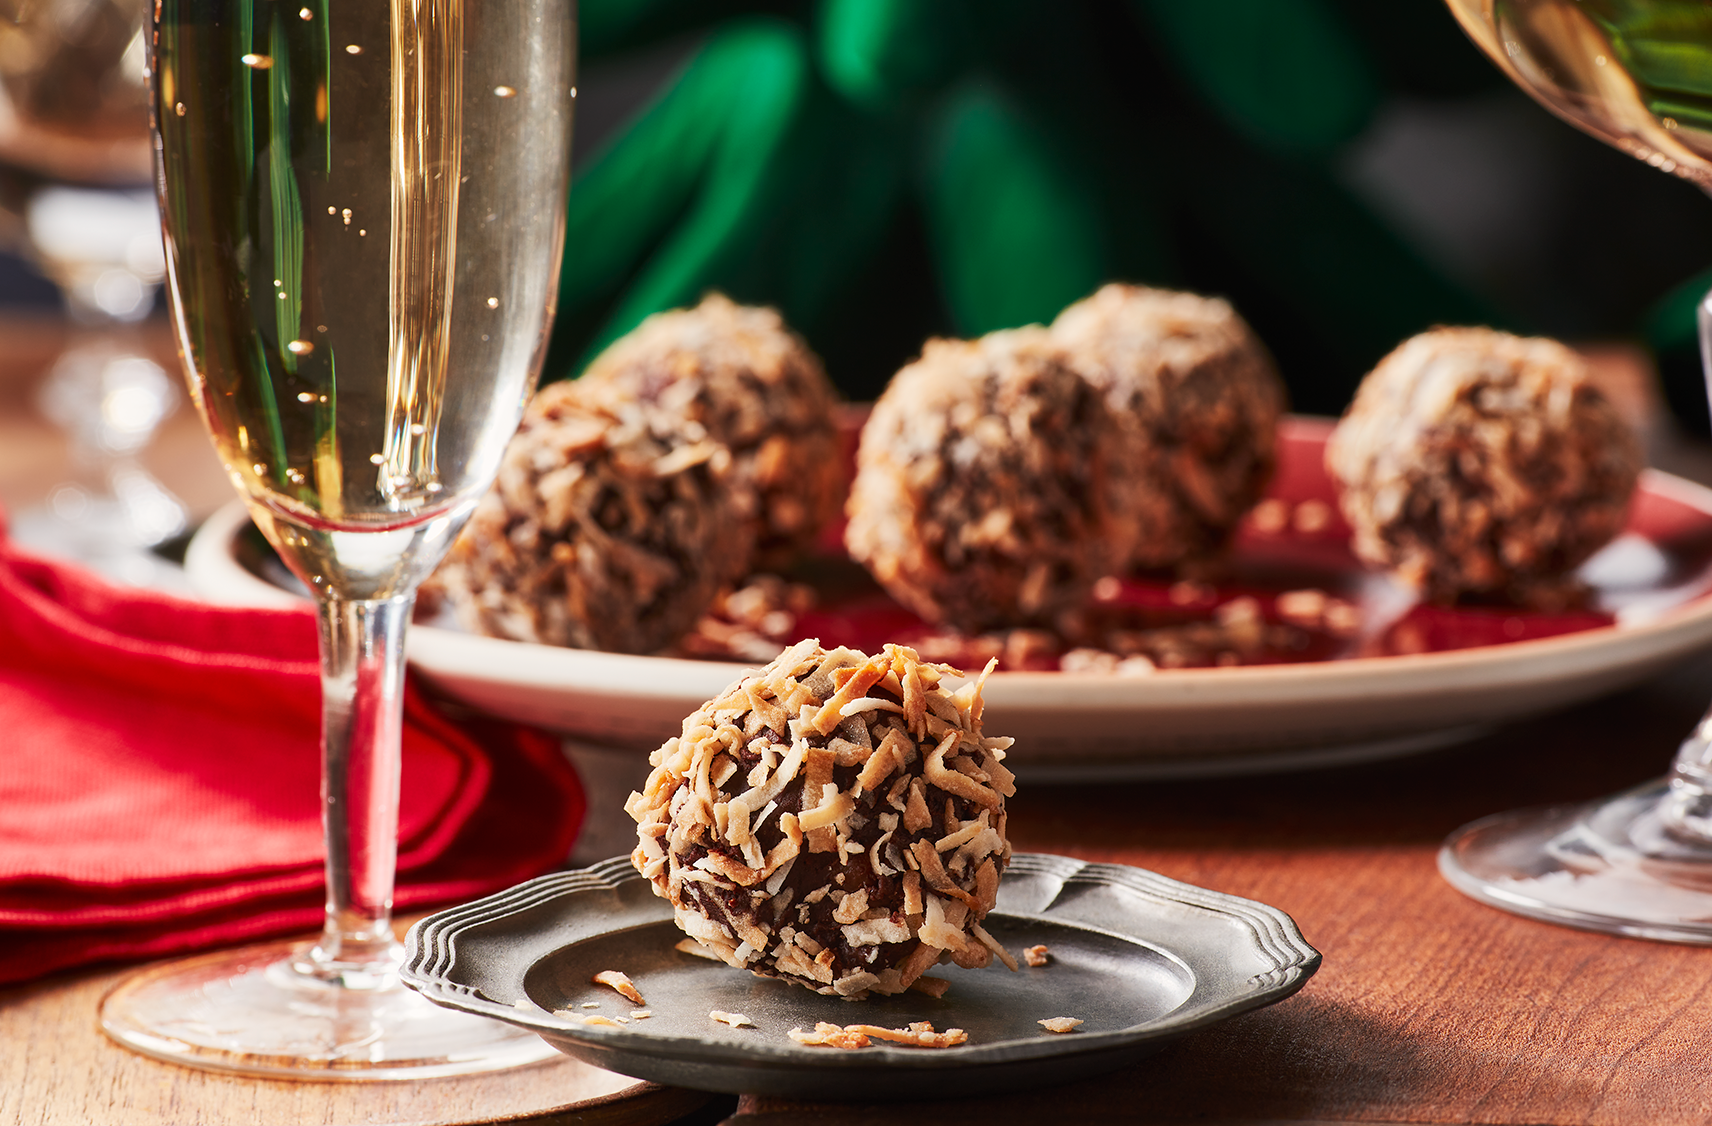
[[992, 485], [740, 375], [1476, 462], [1197, 395], [609, 527], [835, 820]]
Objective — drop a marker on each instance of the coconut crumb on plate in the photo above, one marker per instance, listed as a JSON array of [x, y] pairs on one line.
[[919, 1034], [1037, 955], [735, 1020], [620, 982], [1060, 1024]]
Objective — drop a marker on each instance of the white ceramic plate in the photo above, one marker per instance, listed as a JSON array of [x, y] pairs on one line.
[[1656, 582]]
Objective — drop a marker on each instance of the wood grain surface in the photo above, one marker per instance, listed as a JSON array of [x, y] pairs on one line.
[[1430, 1008]]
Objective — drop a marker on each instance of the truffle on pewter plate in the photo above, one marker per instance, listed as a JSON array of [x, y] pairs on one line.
[[1476, 462], [835, 820], [1196, 393]]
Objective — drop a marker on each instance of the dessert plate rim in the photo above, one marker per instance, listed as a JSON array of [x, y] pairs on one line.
[[1086, 726]]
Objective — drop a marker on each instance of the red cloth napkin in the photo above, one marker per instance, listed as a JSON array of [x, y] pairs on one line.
[[159, 778]]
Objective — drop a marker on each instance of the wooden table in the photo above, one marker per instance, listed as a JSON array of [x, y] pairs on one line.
[[1430, 1008]]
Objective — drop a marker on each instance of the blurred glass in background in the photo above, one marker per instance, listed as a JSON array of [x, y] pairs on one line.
[[75, 188]]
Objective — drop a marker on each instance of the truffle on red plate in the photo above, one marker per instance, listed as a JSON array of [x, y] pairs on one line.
[[1198, 397], [993, 487], [609, 527], [1473, 461], [744, 379]]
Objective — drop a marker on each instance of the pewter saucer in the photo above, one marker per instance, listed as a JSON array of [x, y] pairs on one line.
[[1138, 958]]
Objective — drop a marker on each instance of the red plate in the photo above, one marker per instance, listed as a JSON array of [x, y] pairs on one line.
[[1412, 677]]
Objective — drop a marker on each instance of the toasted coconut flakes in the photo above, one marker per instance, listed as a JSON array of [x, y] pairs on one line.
[[641, 1014], [859, 682], [919, 1034], [870, 704], [591, 1004], [1037, 955], [600, 1020], [995, 946], [691, 946], [567, 1014], [916, 816], [934, 987], [953, 781], [850, 909], [829, 1036], [621, 983], [836, 807], [933, 871], [856, 984], [735, 1020], [875, 932], [1060, 1024], [961, 836]]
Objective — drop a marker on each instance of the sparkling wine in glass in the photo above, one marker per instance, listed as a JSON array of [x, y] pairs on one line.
[[362, 204], [1637, 74]]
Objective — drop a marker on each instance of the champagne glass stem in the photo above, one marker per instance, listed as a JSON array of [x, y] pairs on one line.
[[362, 687], [1687, 808]]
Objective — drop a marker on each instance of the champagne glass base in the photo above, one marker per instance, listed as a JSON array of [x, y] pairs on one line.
[[249, 1012], [1611, 866]]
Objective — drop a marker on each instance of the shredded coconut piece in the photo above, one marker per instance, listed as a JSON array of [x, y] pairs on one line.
[[641, 1014], [1060, 1024], [691, 946], [1037, 955], [934, 987], [621, 983], [919, 1034], [598, 1019], [735, 1020]]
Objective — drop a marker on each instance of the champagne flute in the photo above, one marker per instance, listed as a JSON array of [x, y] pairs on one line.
[[1637, 74], [362, 205]]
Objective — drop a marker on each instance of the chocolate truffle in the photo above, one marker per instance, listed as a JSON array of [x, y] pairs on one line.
[[746, 380], [609, 527], [1472, 461], [835, 820], [992, 485], [1196, 394]]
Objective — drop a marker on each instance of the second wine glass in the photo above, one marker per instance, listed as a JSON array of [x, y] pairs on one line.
[[363, 214], [1632, 73]]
